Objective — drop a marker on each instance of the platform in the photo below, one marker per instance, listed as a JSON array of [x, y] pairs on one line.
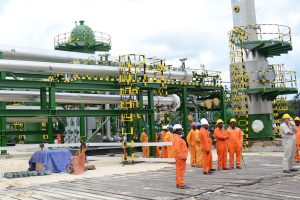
[[262, 178]]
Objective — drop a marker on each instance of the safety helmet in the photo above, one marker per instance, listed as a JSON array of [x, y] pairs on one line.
[[198, 124], [165, 127], [232, 120], [193, 124], [170, 126], [204, 121], [286, 116], [177, 126], [297, 119], [220, 121]]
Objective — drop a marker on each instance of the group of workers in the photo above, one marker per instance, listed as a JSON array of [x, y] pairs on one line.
[[200, 147], [290, 130], [227, 141]]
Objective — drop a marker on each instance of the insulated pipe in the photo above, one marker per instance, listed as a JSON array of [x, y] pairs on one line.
[[98, 70], [44, 55], [34, 96]]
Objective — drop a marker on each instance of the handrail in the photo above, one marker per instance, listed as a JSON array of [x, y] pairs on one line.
[[264, 31], [66, 37]]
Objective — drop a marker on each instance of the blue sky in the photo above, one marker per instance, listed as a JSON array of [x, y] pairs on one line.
[[172, 29]]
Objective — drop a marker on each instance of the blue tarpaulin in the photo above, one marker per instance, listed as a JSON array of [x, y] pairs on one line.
[[53, 160]]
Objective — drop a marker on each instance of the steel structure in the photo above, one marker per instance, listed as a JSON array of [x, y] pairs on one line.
[[92, 90], [254, 82]]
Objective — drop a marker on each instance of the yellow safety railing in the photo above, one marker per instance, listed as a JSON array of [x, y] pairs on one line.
[[263, 32], [66, 38]]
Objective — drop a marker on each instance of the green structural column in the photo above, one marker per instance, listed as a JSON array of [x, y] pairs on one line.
[[140, 120], [3, 119], [82, 126], [151, 120], [52, 107], [184, 111], [43, 98], [3, 138], [222, 104]]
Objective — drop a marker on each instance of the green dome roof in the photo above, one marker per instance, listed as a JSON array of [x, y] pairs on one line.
[[83, 39], [82, 33]]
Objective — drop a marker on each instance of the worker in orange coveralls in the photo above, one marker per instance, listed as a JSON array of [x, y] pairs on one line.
[[221, 137], [144, 139], [206, 146], [181, 153], [169, 138], [156, 140], [191, 141], [198, 149], [164, 148], [235, 143], [297, 131]]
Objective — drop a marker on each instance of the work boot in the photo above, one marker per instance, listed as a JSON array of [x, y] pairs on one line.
[[294, 170], [287, 171], [184, 187], [207, 173], [231, 167], [225, 168], [212, 170], [238, 167]]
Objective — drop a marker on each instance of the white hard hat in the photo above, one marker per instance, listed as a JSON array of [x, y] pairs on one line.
[[165, 127], [204, 121], [177, 126]]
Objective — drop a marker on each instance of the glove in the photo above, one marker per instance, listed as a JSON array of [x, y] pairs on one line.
[[184, 158]]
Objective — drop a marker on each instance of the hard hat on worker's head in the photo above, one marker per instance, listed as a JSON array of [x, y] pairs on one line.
[[193, 124], [220, 121], [232, 120], [297, 119], [170, 126], [165, 127], [204, 121], [177, 127], [198, 124], [286, 116]]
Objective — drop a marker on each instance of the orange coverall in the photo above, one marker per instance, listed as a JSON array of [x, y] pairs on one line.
[[181, 153], [191, 141], [144, 138], [164, 148], [221, 138], [157, 147], [198, 149], [169, 138], [235, 142], [297, 156], [206, 145]]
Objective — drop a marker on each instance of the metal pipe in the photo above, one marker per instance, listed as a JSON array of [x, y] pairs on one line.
[[44, 55], [34, 96], [98, 70]]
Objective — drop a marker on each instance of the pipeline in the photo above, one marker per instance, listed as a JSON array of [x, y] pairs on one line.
[[171, 101], [98, 70], [45, 55]]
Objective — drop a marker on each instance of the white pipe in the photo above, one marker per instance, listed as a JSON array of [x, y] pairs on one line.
[[33, 96], [44, 55], [98, 70]]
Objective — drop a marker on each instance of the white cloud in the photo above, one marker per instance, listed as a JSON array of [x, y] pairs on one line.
[[196, 29]]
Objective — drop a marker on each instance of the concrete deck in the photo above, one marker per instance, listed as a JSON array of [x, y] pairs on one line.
[[262, 178]]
